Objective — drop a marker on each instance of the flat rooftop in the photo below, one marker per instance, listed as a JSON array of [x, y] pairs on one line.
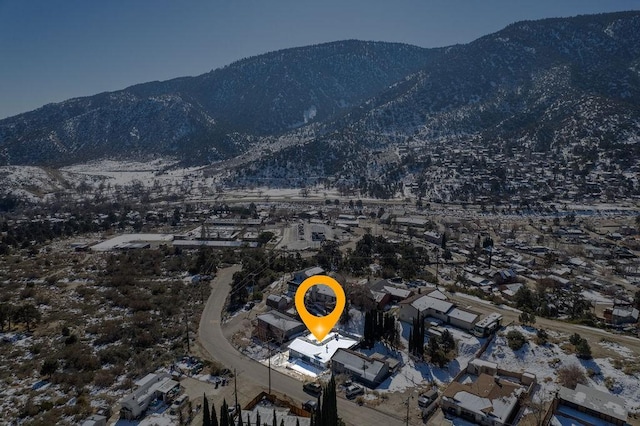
[[321, 351]]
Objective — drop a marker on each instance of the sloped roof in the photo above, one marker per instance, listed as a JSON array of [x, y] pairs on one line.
[[365, 367], [595, 400], [426, 302], [486, 395]]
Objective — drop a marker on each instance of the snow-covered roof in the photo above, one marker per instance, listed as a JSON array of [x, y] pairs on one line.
[[463, 315], [595, 400], [626, 312], [427, 302], [325, 290], [437, 294], [487, 396], [397, 292], [488, 320], [316, 270], [321, 351]]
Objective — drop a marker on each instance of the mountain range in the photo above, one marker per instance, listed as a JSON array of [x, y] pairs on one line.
[[561, 86]]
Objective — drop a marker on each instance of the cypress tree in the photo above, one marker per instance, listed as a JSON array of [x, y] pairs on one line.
[[224, 414], [206, 417], [329, 409], [274, 422], [318, 413], [248, 420], [411, 340], [282, 421], [298, 422], [240, 419], [379, 325], [214, 415], [258, 418]]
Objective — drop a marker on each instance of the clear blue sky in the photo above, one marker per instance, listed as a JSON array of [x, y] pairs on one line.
[[52, 50]]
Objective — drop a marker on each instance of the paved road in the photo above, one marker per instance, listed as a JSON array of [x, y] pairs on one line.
[[213, 340], [593, 335]]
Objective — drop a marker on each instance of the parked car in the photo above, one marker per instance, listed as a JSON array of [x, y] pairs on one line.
[[353, 391], [310, 406], [313, 388]]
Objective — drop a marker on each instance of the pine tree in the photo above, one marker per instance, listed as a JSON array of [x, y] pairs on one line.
[[206, 417]]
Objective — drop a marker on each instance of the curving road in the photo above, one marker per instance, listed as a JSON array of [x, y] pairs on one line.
[[213, 340]]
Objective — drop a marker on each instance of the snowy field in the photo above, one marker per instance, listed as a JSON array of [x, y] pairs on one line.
[[544, 361], [420, 374]]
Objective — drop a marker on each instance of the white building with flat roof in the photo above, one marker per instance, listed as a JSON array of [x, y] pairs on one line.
[[316, 353], [150, 387]]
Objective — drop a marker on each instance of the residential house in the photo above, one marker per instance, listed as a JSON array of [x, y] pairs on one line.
[[486, 394], [300, 276], [487, 325], [277, 326], [381, 299], [435, 305], [621, 314], [422, 307], [508, 291], [279, 302], [396, 294], [370, 371], [433, 237], [151, 387], [586, 405], [315, 353], [462, 318], [505, 276], [323, 294]]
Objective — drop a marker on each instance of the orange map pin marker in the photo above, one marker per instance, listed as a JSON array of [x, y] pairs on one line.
[[320, 326]]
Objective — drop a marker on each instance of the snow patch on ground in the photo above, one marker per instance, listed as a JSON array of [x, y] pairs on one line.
[[544, 362]]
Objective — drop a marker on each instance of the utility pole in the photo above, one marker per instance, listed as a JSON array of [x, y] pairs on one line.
[[269, 344], [186, 321], [235, 386], [407, 402]]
